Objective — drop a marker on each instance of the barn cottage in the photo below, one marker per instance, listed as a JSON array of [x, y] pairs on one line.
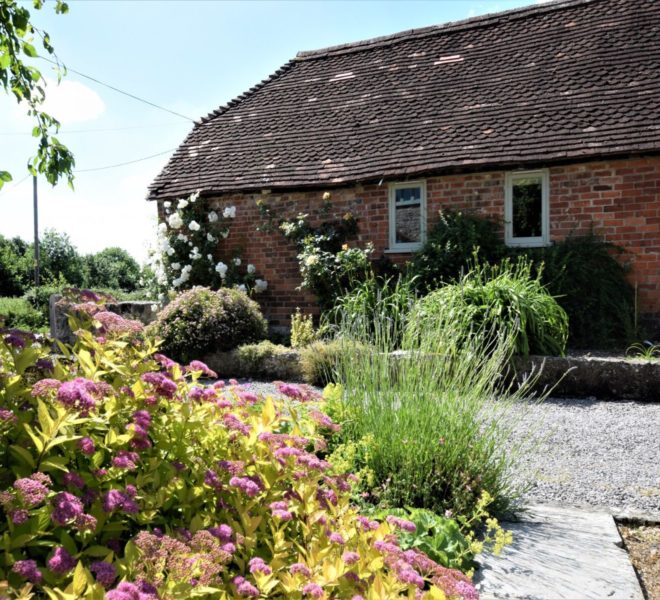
[[545, 118]]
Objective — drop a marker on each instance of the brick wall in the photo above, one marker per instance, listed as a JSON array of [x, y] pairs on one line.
[[619, 198]]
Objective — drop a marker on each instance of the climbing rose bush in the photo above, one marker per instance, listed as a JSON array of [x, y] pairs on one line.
[[127, 475], [186, 250]]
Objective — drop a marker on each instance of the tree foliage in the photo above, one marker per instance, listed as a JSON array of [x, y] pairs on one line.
[[114, 268], [53, 159]]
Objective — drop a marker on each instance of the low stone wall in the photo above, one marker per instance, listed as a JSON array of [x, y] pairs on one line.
[[143, 311], [585, 376], [576, 377]]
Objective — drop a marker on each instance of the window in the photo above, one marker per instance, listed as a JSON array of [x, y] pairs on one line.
[[407, 216], [526, 208]]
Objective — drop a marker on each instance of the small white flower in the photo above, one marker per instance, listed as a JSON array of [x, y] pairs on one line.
[[237, 261], [241, 288], [210, 237], [181, 237], [225, 234], [182, 203], [170, 251], [193, 197], [162, 227], [251, 269], [221, 268], [260, 285], [175, 266], [175, 221], [186, 269], [229, 212], [311, 260], [190, 243], [167, 204], [193, 226], [326, 196], [213, 216], [209, 256]]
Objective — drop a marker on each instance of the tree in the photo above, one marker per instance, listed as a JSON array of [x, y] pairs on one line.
[[61, 260], [113, 268], [53, 159], [16, 260]]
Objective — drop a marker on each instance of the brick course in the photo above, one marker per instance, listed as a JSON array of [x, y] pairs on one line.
[[619, 199]]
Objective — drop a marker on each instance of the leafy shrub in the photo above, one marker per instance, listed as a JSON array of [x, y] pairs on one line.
[[267, 360], [120, 470], [450, 246], [590, 285], [16, 266], [18, 313], [302, 330], [202, 320], [318, 361], [112, 268], [505, 298]]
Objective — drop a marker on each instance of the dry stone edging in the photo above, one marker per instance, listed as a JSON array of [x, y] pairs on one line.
[[560, 553]]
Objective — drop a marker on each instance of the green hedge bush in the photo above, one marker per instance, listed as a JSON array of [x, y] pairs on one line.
[[202, 320]]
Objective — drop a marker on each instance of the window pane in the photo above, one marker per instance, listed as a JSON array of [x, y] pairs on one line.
[[408, 195], [527, 207], [408, 223]]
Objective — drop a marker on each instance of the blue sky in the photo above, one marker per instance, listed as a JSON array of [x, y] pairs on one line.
[[188, 56]]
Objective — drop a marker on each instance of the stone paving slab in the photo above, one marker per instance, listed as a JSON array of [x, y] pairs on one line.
[[560, 553]]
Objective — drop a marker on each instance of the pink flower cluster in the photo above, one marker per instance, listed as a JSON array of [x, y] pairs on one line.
[[162, 384], [80, 394], [141, 422], [199, 366]]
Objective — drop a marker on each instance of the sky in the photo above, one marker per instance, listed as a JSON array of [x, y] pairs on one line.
[[187, 56]]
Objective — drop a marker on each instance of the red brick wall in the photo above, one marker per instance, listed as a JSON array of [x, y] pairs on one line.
[[620, 199]]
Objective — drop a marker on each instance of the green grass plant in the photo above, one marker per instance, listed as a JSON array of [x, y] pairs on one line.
[[439, 414]]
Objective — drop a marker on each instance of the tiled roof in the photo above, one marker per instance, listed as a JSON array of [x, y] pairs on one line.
[[561, 81]]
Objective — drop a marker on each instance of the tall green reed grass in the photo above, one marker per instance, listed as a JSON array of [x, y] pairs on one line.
[[440, 414]]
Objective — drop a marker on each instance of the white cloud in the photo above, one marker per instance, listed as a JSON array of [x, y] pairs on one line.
[[72, 101]]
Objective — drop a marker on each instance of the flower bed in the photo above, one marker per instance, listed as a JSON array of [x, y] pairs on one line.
[[124, 476]]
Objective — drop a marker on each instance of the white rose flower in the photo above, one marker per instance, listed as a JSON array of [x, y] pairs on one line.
[[225, 234], [311, 260], [237, 262], [186, 269], [175, 266], [241, 288], [182, 203], [209, 256], [193, 226], [213, 216], [162, 227], [181, 237], [175, 221], [210, 237], [251, 269], [260, 285], [170, 251], [221, 268], [193, 197], [229, 212], [167, 204]]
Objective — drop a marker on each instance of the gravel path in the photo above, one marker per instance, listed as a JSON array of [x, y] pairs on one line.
[[601, 454], [587, 453]]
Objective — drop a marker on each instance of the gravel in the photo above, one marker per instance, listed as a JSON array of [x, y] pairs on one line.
[[586, 452], [595, 453]]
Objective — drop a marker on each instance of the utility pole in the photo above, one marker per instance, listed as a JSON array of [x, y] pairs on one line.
[[36, 231]]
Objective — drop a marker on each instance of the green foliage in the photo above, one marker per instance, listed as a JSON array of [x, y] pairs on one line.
[[590, 284], [17, 313], [183, 486], [16, 266], [60, 261], [503, 299], [112, 268], [26, 83], [302, 330], [257, 360], [318, 361], [439, 438], [450, 247], [202, 320], [646, 350]]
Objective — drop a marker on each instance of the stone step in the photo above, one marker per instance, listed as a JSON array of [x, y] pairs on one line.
[[560, 553]]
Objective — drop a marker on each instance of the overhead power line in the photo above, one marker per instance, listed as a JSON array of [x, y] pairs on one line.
[[93, 130], [116, 89], [129, 162]]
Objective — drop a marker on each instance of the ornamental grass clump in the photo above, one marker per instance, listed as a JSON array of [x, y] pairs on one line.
[[437, 413], [202, 320], [122, 475]]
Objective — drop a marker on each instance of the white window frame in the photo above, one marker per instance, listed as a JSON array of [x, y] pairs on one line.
[[408, 246], [527, 242]]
